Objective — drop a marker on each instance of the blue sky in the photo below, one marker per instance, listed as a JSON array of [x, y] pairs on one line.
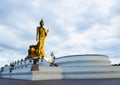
[[76, 27]]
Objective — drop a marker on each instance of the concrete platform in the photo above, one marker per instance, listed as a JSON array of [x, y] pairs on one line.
[[92, 69]]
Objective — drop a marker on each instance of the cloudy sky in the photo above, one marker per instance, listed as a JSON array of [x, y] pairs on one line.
[[76, 27]]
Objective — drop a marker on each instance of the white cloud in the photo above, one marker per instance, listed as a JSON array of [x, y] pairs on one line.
[[8, 56], [7, 35]]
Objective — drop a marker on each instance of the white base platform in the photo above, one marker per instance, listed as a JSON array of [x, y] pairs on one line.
[[69, 67]]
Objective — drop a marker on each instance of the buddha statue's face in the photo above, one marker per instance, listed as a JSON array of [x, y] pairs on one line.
[[41, 23]]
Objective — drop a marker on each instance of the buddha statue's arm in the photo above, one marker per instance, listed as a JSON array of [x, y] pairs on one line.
[[37, 34], [46, 32]]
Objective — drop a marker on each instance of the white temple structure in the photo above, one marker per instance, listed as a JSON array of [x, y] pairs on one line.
[[87, 67]]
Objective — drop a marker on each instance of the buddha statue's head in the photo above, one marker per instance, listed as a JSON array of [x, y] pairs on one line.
[[41, 23]]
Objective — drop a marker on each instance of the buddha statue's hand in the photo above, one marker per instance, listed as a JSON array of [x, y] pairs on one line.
[[46, 33], [47, 30]]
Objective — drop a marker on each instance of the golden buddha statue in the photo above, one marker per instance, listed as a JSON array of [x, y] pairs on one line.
[[37, 51], [40, 38]]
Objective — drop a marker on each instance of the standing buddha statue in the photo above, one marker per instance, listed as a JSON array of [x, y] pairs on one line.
[[40, 38]]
